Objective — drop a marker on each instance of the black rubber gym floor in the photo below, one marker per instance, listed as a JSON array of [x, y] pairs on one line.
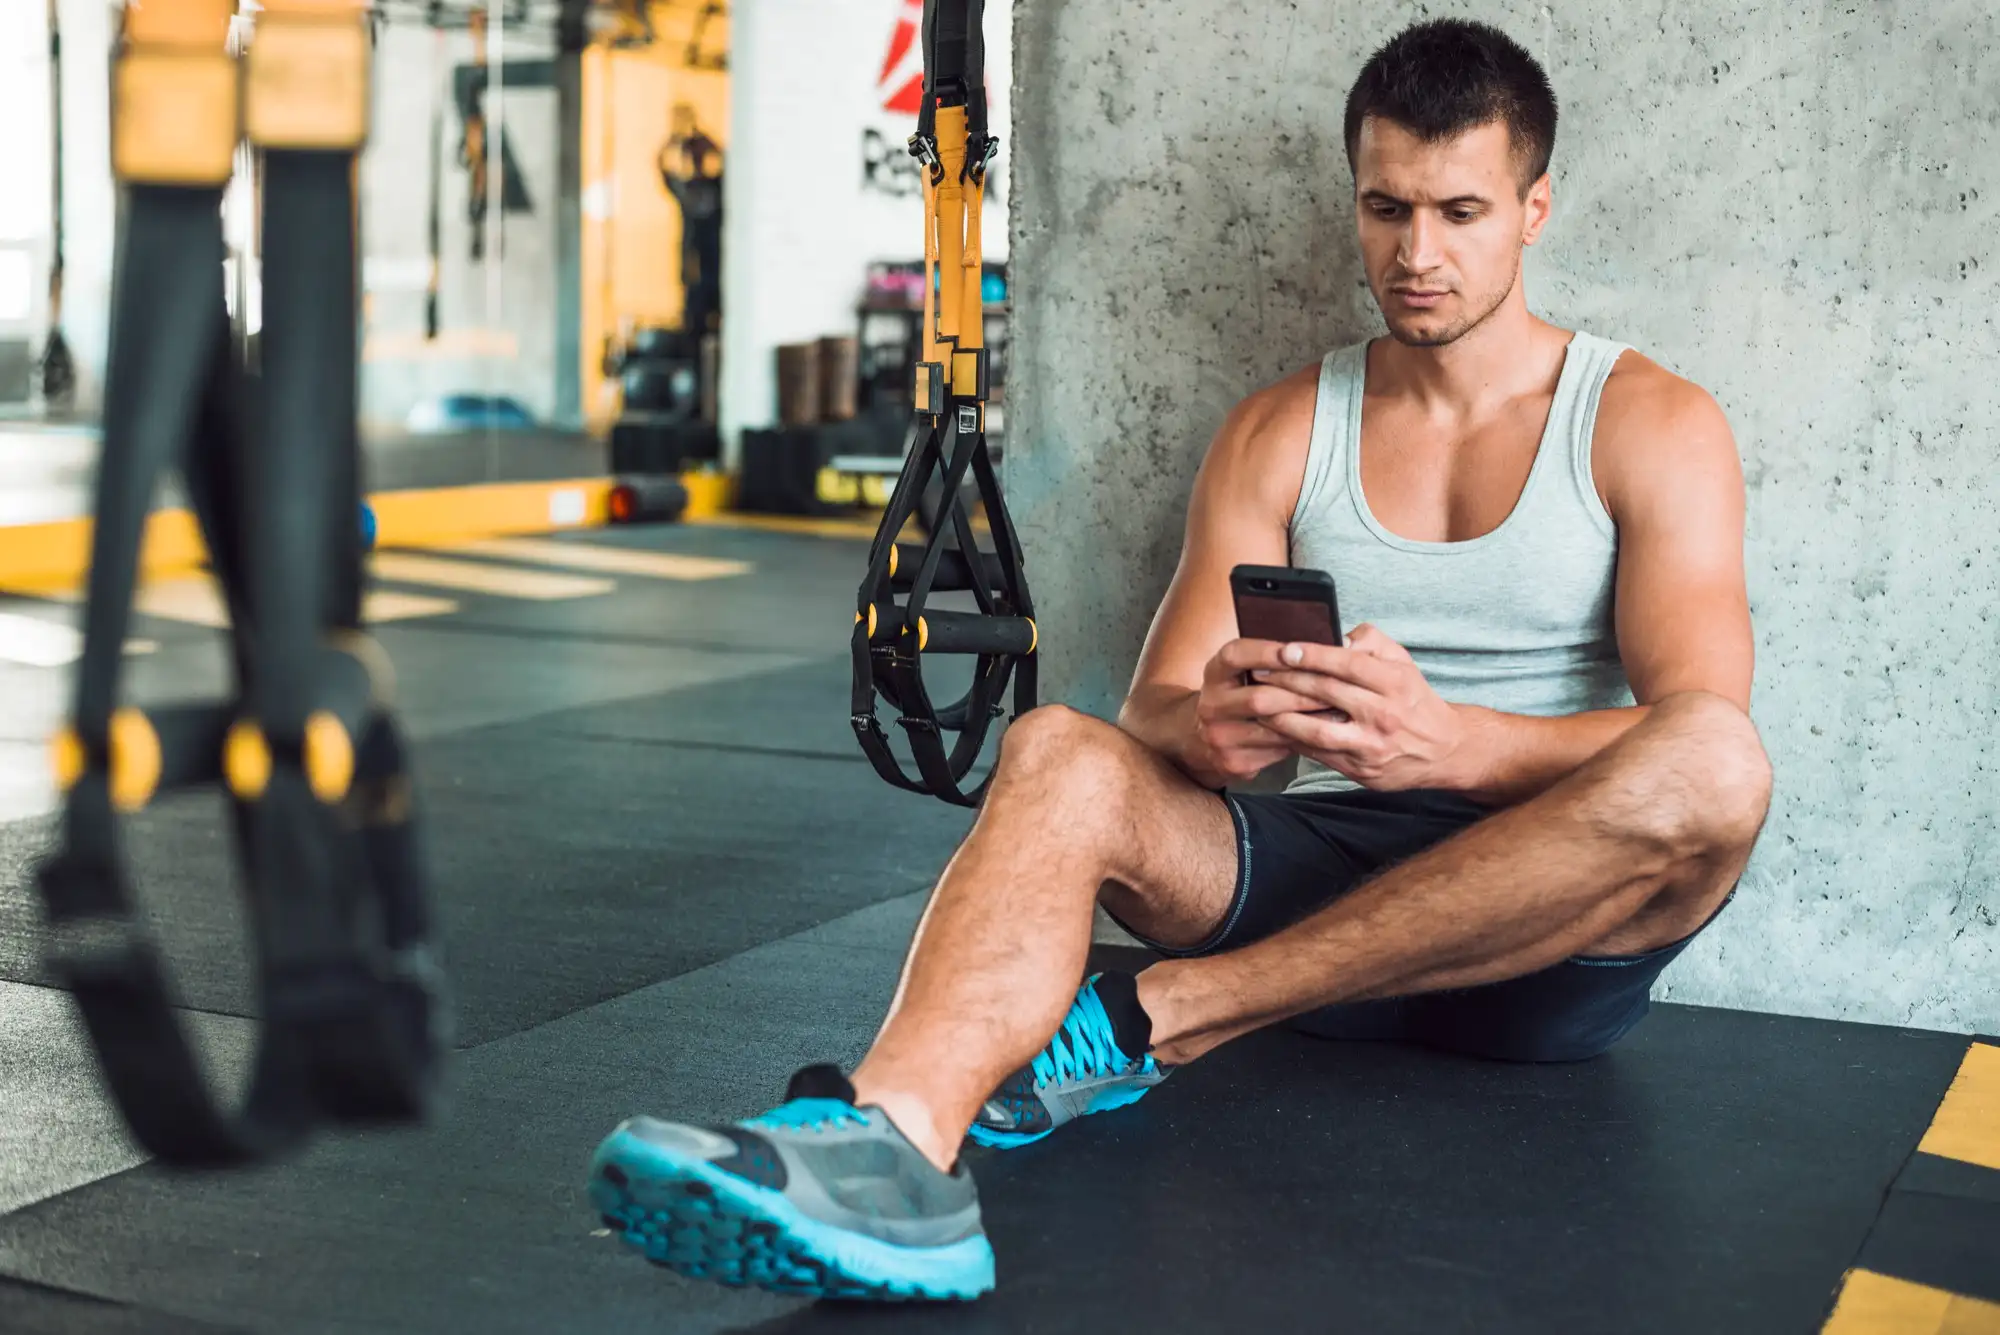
[[669, 879]]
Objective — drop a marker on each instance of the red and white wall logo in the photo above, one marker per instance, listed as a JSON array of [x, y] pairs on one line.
[[886, 165], [901, 83]]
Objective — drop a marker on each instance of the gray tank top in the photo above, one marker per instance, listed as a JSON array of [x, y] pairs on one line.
[[1518, 620]]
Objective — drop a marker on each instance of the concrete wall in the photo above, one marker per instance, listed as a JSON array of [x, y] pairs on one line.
[[804, 214], [1792, 204]]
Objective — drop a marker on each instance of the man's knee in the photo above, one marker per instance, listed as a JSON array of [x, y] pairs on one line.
[[1059, 753], [1705, 789]]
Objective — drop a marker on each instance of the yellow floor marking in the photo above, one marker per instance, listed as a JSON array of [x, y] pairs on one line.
[[505, 581], [32, 642], [379, 605], [193, 599], [607, 560], [1967, 1125], [1872, 1304], [196, 600]]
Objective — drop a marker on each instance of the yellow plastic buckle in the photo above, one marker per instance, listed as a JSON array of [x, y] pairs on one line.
[[930, 388], [968, 374], [174, 116], [307, 85]]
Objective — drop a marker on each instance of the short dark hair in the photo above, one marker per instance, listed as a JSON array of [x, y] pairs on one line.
[[1444, 77]]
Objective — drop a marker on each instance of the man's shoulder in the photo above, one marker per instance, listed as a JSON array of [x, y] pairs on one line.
[[1643, 400], [1652, 423], [1274, 420], [1259, 454]]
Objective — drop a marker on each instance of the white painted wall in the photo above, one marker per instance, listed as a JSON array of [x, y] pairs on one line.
[[90, 203], [802, 222], [24, 167]]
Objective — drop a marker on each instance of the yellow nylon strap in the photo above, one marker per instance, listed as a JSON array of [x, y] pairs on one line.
[[972, 319], [197, 23], [951, 225], [174, 95], [933, 351], [307, 84]]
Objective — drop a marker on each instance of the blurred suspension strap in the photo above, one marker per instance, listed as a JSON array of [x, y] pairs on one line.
[[321, 799], [891, 638]]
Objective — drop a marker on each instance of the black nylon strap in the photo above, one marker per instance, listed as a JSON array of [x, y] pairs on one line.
[[954, 40], [352, 1013], [951, 449], [894, 670]]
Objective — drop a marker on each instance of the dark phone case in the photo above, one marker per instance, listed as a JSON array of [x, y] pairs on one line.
[[1302, 608]]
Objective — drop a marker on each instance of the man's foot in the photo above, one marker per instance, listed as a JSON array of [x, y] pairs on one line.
[[817, 1197], [1086, 1068]]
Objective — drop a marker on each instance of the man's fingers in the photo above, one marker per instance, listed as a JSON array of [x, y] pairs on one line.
[[1363, 668], [1366, 639], [1262, 701], [1241, 656], [1325, 691], [1231, 732], [1318, 732]]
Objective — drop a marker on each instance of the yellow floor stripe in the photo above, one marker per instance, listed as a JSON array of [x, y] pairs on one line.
[[379, 605], [607, 560], [1967, 1125], [503, 581], [456, 514], [196, 600], [1872, 1304]]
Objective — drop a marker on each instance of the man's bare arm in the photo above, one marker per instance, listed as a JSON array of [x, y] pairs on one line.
[[1240, 511], [1673, 482]]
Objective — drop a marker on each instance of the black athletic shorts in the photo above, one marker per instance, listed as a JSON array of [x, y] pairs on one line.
[[1298, 852]]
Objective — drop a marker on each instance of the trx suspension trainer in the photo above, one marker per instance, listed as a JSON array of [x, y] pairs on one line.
[[891, 637], [321, 799]]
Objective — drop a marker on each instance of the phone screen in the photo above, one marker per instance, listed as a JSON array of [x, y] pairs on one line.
[[1286, 620]]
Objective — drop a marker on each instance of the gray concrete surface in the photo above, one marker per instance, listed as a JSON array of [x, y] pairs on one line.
[[1791, 204]]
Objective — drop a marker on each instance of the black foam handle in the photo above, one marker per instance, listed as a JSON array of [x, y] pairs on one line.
[[954, 572], [972, 633]]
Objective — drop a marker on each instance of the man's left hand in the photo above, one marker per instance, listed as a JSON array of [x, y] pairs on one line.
[[1385, 727]]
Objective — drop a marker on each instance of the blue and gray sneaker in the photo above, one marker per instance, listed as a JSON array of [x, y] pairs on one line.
[[817, 1197], [1086, 1068]]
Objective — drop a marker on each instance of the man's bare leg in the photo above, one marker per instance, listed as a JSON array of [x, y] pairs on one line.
[[1633, 851], [1077, 809]]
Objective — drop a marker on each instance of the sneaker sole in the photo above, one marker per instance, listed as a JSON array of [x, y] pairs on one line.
[[704, 1223], [995, 1139]]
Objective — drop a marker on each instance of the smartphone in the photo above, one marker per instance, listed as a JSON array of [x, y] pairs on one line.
[[1285, 604]]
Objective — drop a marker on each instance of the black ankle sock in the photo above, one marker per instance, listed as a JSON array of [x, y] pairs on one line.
[[820, 1082], [1130, 1024]]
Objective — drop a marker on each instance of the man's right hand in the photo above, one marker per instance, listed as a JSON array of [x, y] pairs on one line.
[[1235, 746]]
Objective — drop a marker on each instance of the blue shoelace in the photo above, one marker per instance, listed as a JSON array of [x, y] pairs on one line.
[[1084, 1046], [810, 1115]]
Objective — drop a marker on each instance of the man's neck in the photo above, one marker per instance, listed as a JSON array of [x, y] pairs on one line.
[[1511, 353]]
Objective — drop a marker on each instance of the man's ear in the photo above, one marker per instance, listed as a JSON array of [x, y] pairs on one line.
[[1539, 204]]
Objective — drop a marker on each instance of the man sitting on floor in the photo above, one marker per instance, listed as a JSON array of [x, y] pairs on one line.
[[1490, 848]]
